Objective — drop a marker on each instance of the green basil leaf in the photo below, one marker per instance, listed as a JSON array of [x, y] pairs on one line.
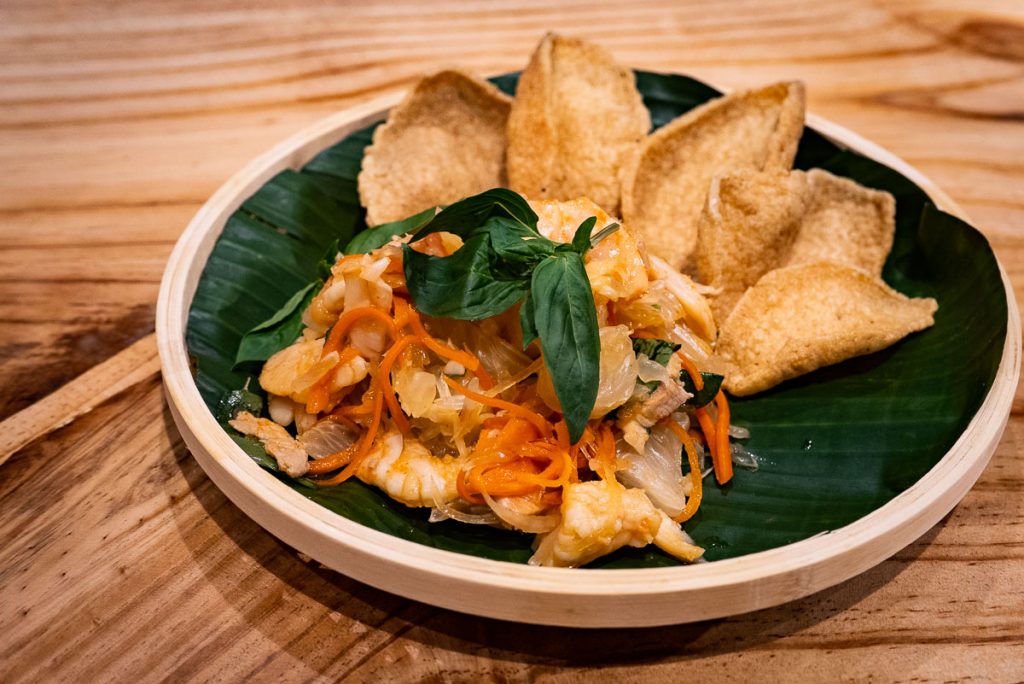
[[464, 285], [378, 236], [278, 331], [567, 323], [659, 351], [581, 240], [465, 216], [526, 322], [704, 396], [517, 249]]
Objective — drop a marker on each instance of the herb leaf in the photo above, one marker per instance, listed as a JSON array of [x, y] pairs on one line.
[[704, 396], [378, 236], [518, 249], [581, 240], [529, 328], [464, 285], [465, 216], [566, 321], [659, 351], [278, 331]]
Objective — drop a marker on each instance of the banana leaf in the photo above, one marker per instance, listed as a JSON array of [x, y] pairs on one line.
[[833, 445]]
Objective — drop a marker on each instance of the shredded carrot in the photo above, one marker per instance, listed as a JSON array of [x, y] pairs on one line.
[[495, 422], [707, 426], [332, 461], [401, 422], [346, 321], [692, 371], [723, 468], [696, 482], [364, 446], [464, 358], [536, 419], [338, 417]]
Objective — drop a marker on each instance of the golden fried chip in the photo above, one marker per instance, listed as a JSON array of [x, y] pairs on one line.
[[445, 141], [800, 318], [754, 222], [845, 222], [576, 121], [748, 227], [664, 195]]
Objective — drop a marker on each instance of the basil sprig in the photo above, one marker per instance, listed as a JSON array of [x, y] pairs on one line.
[[504, 260]]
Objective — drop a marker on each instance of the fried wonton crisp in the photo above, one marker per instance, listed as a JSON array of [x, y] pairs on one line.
[[445, 141], [801, 318], [577, 120], [845, 222], [754, 222], [664, 194], [748, 227]]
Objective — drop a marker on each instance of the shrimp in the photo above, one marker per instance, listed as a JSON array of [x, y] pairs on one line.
[[601, 516], [407, 472], [615, 266], [290, 455]]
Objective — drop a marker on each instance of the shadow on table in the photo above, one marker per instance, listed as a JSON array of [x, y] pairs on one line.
[[495, 640]]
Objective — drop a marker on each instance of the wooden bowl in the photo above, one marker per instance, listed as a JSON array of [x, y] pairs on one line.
[[553, 596]]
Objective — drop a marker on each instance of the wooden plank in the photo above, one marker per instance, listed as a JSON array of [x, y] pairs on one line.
[[123, 370]]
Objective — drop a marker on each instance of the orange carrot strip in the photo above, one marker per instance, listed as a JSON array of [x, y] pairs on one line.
[[464, 358], [333, 461], [535, 419], [708, 428], [495, 422], [338, 417], [463, 488], [385, 381], [693, 371], [364, 446], [696, 482], [723, 468], [349, 318]]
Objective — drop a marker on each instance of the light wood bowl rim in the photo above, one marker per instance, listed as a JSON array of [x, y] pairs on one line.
[[553, 596]]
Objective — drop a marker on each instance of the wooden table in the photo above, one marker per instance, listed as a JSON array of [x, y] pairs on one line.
[[121, 561]]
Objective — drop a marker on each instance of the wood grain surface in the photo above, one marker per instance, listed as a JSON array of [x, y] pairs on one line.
[[121, 561]]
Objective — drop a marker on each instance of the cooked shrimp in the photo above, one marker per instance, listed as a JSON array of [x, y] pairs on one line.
[[601, 516], [291, 457], [615, 266], [409, 473]]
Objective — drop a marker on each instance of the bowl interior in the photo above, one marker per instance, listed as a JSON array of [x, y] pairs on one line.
[[833, 446]]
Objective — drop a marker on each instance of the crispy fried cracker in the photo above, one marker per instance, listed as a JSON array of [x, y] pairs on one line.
[[800, 318], [576, 121], [748, 227], [445, 141], [664, 194], [845, 222], [754, 222]]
